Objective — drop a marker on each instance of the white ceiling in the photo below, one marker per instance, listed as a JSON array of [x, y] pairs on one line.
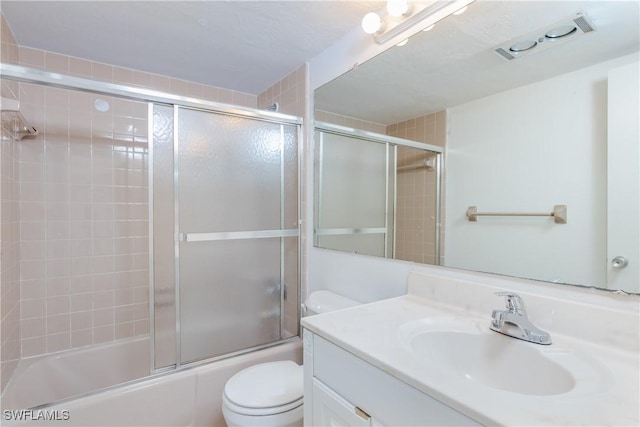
[[240, 45], [455, 63], [250, 45]]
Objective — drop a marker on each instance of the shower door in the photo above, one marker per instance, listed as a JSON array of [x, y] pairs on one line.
[[376, 194], [353, 201], [235, 235]]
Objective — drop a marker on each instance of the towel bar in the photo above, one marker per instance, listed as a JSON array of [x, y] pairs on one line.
[[559, 214]]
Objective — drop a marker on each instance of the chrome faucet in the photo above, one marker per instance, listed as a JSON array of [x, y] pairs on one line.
[[514, 321]]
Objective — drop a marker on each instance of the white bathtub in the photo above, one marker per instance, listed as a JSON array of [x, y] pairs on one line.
[[54, 377], [191, 397]]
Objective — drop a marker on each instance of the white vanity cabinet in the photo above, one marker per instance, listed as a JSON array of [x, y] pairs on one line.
[[331, 409], [340, 389]]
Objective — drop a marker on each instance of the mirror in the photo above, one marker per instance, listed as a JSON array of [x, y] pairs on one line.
[[519, 135], [376, 194]]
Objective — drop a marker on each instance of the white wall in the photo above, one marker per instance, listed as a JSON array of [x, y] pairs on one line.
[[359, 277], [526, 150], [623, 180]]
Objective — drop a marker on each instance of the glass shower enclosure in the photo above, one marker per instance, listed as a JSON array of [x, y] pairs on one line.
[[158, 232], [225, 233]]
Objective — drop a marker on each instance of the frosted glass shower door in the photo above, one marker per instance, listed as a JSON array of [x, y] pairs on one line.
[[352, 206], [237, 231]]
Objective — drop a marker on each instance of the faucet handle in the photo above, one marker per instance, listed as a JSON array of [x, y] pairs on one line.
[[513, 302]]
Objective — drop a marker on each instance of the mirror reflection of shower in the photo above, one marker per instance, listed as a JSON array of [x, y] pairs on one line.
[[376, 194]]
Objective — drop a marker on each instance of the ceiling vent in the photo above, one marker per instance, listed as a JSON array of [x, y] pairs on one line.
[[539, 40]]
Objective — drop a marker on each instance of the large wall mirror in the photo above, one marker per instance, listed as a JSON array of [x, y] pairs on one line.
[[510, 108]]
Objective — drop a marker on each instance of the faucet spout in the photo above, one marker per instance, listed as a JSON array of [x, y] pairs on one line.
[[514, 321]]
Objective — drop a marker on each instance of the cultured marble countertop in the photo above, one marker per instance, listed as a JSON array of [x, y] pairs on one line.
[[371, 332]]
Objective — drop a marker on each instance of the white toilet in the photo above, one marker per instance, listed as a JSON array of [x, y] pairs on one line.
[[270, 394]]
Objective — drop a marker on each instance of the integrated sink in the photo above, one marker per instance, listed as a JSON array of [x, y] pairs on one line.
[[585, 373], [464, 348], [494, 361]]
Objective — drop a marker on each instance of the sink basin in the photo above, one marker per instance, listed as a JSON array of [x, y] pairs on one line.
[[466, 349]]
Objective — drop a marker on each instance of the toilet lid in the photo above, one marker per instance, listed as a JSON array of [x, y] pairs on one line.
[[266, 385]]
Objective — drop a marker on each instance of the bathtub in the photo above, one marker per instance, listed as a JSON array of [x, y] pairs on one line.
[[54, 377], [189, 397]]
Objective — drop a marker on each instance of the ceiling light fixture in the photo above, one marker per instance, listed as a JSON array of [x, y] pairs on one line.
[[399, 7], [401, 16], [372, 23], [544, 38], [523, 46], [560, 32]]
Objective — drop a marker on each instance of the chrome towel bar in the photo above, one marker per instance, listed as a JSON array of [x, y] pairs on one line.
[[559, 214]]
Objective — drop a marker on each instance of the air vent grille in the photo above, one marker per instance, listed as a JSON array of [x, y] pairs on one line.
[[583, 24], [505, 54]]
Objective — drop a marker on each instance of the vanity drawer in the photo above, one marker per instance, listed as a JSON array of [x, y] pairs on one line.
[[387, 399]]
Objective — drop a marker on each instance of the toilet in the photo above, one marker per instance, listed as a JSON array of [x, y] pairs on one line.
[[270, 394]]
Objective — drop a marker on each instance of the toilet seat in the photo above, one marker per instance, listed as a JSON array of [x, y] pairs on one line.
[[265, 389], [261, 411]]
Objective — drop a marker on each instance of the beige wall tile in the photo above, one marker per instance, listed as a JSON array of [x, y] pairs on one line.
[[416, 190], [33, 346], [289, 93]]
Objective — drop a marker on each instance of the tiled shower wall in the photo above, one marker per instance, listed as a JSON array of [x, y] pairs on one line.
[[9, 227], [337, 119], [83, 208], [83, 221], [416, 198], [289, 93]]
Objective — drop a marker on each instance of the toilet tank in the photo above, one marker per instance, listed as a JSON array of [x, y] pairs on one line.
[[325, 301]]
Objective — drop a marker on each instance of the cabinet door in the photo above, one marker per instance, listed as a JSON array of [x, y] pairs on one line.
[[330, 409]]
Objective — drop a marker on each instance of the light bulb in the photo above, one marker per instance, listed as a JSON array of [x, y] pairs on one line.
[[429, 28], [397, 7], [371, 23], [403, 42]]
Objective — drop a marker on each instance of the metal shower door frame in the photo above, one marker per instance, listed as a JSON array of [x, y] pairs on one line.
[[391, 143], [216, 236]]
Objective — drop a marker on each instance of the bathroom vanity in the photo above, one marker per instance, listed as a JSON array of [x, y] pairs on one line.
[[430, 358], [339, 379]]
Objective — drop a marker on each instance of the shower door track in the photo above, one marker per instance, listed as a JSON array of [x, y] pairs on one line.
[[45, 78], [374, 137]]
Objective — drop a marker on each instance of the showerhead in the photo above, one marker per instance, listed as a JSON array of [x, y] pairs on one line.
[[13, 121], [273, 107]]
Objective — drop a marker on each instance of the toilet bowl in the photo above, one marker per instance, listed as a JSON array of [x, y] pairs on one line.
[[270, 394], [267, 394]]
